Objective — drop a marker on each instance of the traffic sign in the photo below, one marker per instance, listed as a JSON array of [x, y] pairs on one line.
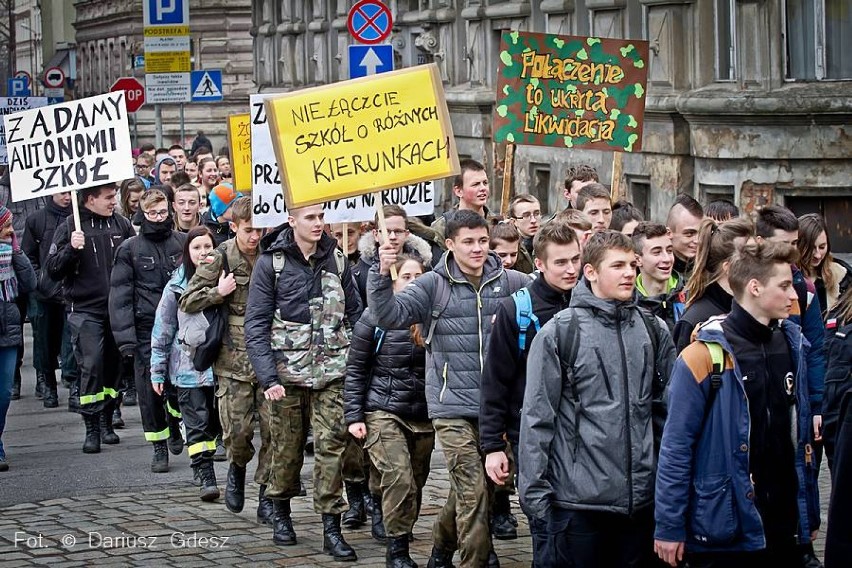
[[54, 77], [18, 87], [165, 12], [134, 92], [167, 88], [367, 60], [206, 86], [369, 21], [138, 61]]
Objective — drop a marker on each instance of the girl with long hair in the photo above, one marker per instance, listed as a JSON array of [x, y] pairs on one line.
[[708, 293], [831, 277], [385, 405], [129, 193], [172, 340]]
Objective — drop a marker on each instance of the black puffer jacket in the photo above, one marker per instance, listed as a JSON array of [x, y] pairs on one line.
[[38, 237], [86, 272], [143, 267], [393, 380], [714, 302]]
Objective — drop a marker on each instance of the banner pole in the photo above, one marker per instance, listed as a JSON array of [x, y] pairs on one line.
[[346, 239], [75, 207], [507, 179], [383, 228], [617, 170]]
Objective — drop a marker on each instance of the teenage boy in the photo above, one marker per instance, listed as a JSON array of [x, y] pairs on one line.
[[594, 200], [187, 207], [471, 187], [303, 301], [576, 178], [455, 303], [143, 266], [83, 260], [506, 243], [218, 218], [683, 221], [504, 374], [659, 287], [579, 223], [596, 376], [778, 224], [736, 483], [224, 279], [353, 235], [178, 154], [525, 214]]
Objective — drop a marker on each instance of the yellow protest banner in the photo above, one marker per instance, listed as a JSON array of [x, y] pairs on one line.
[[362, 135], [239, 143]]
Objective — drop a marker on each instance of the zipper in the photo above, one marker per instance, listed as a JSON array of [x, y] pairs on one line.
[[444, 385], [618, 321]]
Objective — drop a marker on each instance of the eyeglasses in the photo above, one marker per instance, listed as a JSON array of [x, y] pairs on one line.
[[529, 215], [161, 214], [142, 166], [397, 232]]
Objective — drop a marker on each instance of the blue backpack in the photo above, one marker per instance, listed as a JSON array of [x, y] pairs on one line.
[[525, 317]]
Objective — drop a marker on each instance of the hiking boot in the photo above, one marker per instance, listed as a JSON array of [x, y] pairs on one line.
[[92, 443], [196, 477], [377, 520], [333, 542], [397, 555], [49, 390], [175, 441], [355, 516], [282, 523], [220, 455], [493, 561], [74, 397], [264, 507], [108, 435], [503, 522], [4, 465], [440, 559], [209, 491], [39, 387], [117, 420], [129, 396], [160, 459], [235, 488]]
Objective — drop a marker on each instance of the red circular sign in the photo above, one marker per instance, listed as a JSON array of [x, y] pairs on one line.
[[369, 21], [134, 92]]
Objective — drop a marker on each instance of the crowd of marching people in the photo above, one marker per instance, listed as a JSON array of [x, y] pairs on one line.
[[655, 391]]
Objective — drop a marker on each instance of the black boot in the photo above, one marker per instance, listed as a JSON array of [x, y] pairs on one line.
[[332, 539], [108, 435], [397, 555], [809, 558], [503, 522], [282, 523], [74, 397], [309, 441], [264, 507], [355, 516], [16, 387], [220, 455], [369, 501], [378, 528], [175, 438], [440, 559], [92, 444], [117, 420], [235, 488], [129, 395], [209, 491], [493, 561], [39, 388], [51, 396], [160, 461]]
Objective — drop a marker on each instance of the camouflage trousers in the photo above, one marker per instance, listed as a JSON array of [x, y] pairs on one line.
[[358, 467], [463, 523], [401, 456], [240, 404], [323, 410]]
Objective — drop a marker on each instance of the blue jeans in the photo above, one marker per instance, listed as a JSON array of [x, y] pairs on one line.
[[8, 356]]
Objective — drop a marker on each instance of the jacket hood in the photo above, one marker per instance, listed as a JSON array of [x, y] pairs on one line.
[[177, 283], [160, 162], [608, 311], [285, 241], [711, 332], [413, 244], [449, 268]]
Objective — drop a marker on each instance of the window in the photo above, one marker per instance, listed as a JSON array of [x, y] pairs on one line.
[[725, 22], [836, 211], [540, 185], [819, 39]]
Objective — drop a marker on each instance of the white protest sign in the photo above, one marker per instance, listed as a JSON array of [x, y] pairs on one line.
[[68, 146], [11, 105], [269, 209]]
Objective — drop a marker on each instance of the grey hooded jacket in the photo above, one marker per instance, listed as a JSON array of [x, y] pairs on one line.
[[587, 438], [454, 359]]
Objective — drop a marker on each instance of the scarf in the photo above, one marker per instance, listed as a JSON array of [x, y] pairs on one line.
[[8, 280]]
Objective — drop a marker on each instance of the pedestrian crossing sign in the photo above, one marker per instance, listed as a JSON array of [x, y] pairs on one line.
[[206, 86]]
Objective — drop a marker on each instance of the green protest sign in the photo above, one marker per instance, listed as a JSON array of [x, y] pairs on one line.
[[568, 91]]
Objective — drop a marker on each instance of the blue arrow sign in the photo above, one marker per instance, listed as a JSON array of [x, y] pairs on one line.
[[367, 60], [206, 86]]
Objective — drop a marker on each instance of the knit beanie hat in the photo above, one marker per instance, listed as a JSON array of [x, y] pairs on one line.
[[221, 197], [5, 215]]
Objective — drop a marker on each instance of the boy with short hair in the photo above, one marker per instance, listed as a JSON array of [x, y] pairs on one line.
[[594, 200], [683, 220], [579, 223], [525, 214], [187, 207], [506, 242], [576, 178], [659, 287], [736, 482], [596, 376]]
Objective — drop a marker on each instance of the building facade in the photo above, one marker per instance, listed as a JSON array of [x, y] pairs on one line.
[[749, 100], [109, 39]]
